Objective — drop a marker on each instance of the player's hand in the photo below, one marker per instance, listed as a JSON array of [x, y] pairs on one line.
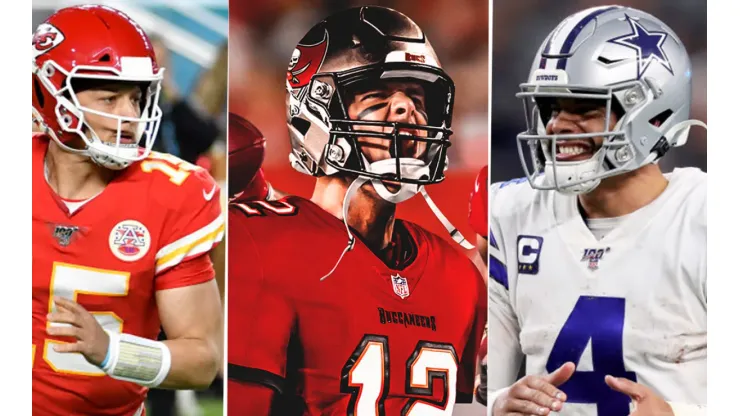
[[92, 340], [534, 395], [647, 402], [481, 389]]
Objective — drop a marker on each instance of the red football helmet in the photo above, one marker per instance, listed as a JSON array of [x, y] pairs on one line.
[[246, 153], [98, 43]]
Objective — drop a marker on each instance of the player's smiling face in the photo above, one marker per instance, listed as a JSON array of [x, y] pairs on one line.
[[115, 98], [576, 116], [390, 101]]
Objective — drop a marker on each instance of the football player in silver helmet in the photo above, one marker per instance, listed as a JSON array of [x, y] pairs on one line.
[[583, 282]]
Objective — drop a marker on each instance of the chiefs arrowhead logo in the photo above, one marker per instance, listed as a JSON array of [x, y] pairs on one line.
[[305, 62], [45, 38]]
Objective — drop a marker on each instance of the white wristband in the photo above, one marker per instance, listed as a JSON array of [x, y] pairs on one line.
[[685, 409], [137, 360]]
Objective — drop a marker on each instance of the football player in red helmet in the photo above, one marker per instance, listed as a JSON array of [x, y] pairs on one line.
[[120, 234], [369, 115]]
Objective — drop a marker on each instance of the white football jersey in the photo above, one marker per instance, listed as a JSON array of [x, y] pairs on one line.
[[633, 304]]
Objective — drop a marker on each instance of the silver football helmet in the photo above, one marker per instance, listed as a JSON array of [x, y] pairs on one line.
[[631, 61]]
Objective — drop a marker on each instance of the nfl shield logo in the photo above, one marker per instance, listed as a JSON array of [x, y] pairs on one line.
[[63, 234], [400, 286], [592, 256]]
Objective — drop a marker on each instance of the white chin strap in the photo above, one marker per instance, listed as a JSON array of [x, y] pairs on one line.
[[456, 235], [569, 172], [409, 168], [679, 133], [116, 156], [677, 136], [353, 188], [101, 154]]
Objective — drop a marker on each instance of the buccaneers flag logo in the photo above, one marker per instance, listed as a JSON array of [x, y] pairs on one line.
[[305, 62]]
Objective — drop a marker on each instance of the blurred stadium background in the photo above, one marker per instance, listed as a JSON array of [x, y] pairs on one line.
[[520, 26], [190, 39], [262, 36]]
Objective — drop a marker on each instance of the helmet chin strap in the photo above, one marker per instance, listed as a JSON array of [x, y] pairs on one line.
[[573, 171], [576, 171], [100, 152], [682, 131], [406, 192], [351, 191], [677, 136], [409, 168], [456, 235]]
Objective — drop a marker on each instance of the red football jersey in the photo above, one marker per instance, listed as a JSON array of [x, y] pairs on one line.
[[150, 229], [368, 337], [478, 209]]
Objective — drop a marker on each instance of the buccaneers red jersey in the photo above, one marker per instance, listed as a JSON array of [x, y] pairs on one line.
[[150, 229], [478, 209], [367, 338]]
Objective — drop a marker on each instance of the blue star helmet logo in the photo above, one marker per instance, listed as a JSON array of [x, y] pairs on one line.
[[648, 46]]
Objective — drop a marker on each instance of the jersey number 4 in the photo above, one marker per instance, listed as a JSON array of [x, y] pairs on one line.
[[599, 320], [366, 376]]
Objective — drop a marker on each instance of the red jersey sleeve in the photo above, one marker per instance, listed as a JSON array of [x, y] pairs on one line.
[[197, 270], [247, 399], [478, 208], [261, 317], [194, 225], [469, 361]]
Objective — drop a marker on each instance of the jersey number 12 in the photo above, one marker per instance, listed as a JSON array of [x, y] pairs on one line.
[[366, 376]]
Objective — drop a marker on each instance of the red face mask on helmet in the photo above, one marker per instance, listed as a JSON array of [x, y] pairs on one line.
[[94, 43]]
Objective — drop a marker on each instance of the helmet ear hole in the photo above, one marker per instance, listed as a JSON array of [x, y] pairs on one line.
[[38, 91], [658, 120], [544, 108], [301, 125]]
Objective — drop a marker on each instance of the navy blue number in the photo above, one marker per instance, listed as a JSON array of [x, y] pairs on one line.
[[601, 320]]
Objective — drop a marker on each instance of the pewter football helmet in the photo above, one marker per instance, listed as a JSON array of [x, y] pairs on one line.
[[636, 65], [356, 47]]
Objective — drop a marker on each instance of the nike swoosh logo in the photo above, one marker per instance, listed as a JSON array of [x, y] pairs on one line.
[[209, 195]]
